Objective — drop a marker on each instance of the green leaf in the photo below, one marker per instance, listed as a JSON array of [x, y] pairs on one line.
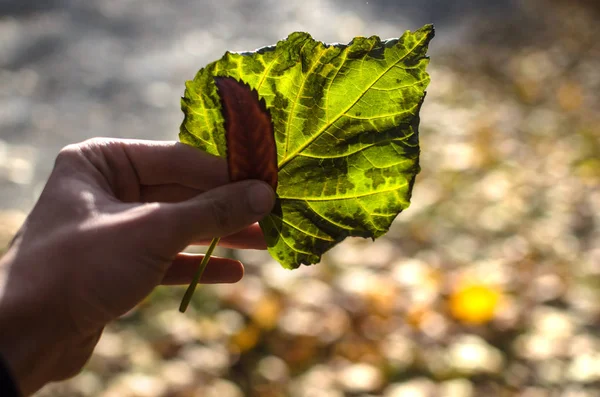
[[346, 128]]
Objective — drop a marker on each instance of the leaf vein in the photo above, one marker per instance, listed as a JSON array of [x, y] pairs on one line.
[[327, 219], [286, 159], [329, 198], [288, 244], [382, 115], [305, 232], [413, 85], [300, 89], [266, 72]]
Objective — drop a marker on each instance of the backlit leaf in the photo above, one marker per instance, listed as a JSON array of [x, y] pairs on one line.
[[346, 131]]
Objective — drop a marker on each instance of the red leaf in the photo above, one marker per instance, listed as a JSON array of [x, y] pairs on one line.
[[251, 150]]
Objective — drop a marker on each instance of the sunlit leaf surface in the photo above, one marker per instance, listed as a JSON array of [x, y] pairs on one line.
[[346, 130]]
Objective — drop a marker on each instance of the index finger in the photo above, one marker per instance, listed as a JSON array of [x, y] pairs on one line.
[[158, 163], [169, 162]]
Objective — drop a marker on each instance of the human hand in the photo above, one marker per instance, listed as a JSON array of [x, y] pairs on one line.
[[108, 228]]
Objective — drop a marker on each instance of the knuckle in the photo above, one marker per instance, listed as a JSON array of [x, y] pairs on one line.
[[165, 230], [68, 153], [156, 219], [88, 152], [162, 223], [94, 142], [221, 213], [76, 150]]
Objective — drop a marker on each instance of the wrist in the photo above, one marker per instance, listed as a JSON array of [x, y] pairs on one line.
[[35, 343]]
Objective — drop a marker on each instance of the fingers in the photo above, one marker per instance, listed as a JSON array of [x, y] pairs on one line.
[[218, 270], [249, 238], [158, 163], [219, 212], [171, 193], [155, 163]]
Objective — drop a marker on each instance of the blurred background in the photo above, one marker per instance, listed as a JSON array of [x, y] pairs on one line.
[[489, 284]]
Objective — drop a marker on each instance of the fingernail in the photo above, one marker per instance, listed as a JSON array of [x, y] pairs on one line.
[[261, 198]]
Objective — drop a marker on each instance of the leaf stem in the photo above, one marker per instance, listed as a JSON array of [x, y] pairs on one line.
[[192, 287]]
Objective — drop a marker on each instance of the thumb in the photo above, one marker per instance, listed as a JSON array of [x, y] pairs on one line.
[[216, 213]]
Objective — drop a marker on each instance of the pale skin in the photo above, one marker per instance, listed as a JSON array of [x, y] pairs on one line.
[[110, 226]]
